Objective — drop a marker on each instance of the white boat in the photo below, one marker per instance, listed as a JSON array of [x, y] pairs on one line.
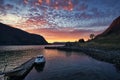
[[40, 59]]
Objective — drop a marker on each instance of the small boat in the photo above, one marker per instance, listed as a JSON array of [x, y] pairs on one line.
[[40, 59]]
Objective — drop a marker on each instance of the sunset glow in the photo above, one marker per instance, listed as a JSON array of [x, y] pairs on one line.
[[60, 20]]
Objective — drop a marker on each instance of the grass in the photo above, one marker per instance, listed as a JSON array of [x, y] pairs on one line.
[[105, 46], [92, 44], [111, 42]]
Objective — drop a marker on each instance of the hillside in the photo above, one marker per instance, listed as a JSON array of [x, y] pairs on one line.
[[110, 35], [14, 36], [114, 28]]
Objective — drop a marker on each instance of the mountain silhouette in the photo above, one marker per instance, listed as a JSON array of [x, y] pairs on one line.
[[114, 28], [111, 34], [14, 36]]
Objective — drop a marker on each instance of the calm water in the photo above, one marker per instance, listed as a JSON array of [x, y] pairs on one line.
[[60, 65]]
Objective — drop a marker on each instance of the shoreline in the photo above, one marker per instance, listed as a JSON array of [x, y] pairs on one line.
[[111, 56]]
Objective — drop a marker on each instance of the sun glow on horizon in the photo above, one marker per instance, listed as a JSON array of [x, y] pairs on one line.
[[60, 36]]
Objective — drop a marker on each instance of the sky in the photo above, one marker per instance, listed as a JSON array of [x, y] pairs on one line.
[[60, 20]]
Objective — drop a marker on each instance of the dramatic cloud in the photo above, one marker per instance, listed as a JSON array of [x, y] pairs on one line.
[[60, 15]]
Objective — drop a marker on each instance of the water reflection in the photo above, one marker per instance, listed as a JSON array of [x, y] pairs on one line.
[[117, 68], [39, 68], [60, 65]]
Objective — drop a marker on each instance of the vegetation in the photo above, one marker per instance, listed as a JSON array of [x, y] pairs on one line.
[[92, 36], [104, 43], [81, 41]]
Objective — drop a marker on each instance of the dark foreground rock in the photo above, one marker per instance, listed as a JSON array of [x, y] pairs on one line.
[[14, 36]]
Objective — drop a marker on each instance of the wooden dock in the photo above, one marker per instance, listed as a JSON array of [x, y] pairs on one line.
[[20, 72]]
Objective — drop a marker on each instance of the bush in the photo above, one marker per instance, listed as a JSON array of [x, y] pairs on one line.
[[81, 41]]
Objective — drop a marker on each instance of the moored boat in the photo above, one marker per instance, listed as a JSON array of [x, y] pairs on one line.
[[40, 59]]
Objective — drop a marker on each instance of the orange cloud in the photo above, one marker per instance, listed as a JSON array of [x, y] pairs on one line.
[[40, 1], [48, 1], [70, 6], [25, 1], [57, 4], [66, 5]]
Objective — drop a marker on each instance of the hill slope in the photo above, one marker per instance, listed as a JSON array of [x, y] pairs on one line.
[[110, 35], [14, 36], [114, 28]]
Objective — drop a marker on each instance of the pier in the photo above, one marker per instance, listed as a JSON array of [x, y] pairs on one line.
[[19, 72]]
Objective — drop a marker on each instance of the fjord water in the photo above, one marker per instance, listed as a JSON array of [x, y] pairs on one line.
[[60, 65]]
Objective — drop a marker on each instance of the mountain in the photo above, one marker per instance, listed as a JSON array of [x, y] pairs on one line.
[[110, 35], [114, 28], [14, 36]]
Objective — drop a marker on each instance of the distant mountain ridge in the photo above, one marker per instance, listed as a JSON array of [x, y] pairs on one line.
[[14, 36]]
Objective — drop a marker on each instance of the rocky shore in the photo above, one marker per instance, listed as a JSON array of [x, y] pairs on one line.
[[112, 56]]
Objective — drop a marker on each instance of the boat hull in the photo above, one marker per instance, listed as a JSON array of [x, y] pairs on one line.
[[40, 67], [39, 64]]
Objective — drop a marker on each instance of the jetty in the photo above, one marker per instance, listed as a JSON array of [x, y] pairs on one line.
[[19, 72]]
